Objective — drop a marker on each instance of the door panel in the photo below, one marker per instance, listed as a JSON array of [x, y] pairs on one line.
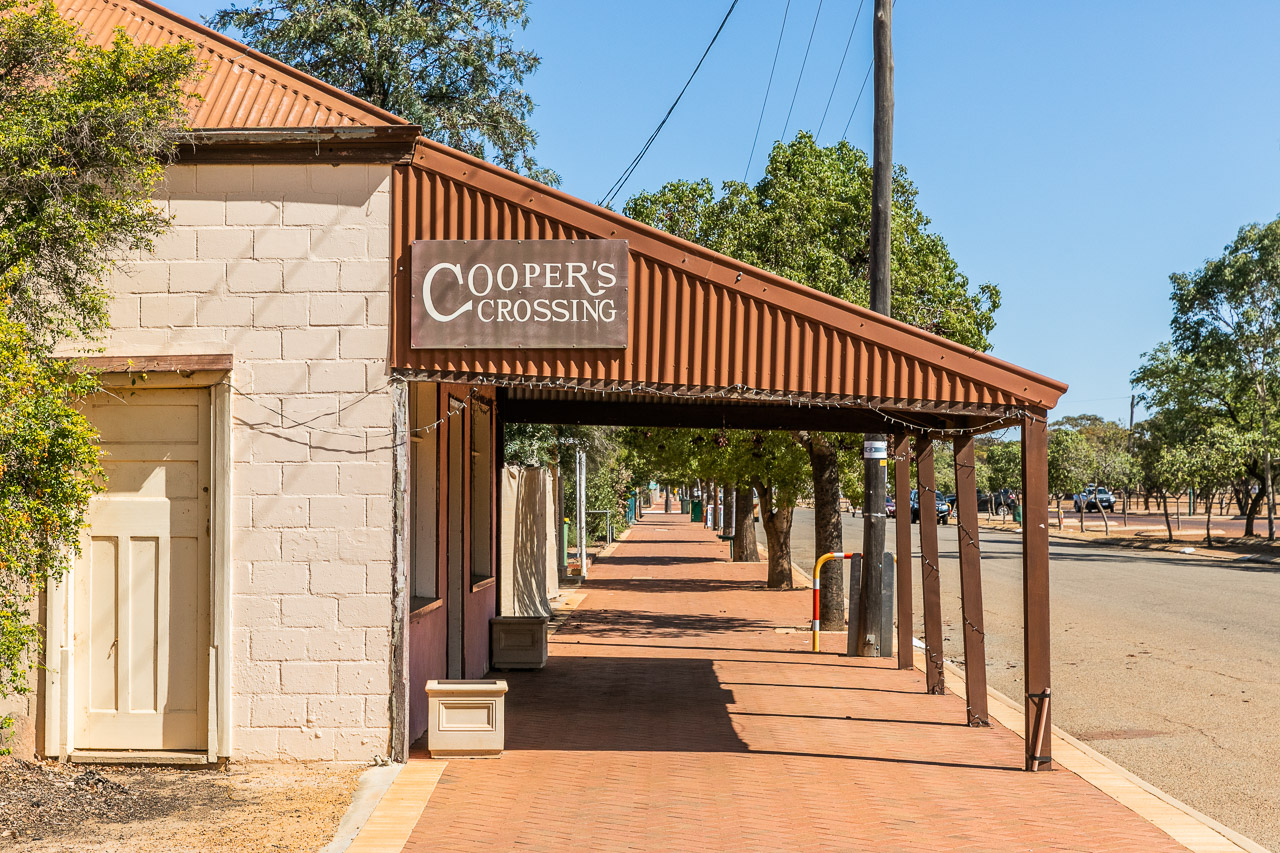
[[141, 589]]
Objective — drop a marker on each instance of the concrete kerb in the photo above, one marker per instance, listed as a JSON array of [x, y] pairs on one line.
[[1195, 831], [373, 783]]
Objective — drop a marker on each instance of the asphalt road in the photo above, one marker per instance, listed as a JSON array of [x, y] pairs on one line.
[[1167, 664]]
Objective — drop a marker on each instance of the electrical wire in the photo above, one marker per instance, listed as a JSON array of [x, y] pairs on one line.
[[626, 174], [866, 77], [843, 56], [800, 77], [767, 88]]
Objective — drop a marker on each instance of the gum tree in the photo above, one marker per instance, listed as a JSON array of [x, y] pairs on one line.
[[1231, 309], [452, 66]]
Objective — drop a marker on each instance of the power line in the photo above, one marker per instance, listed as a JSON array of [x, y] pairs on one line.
[[867, 76], [803, 63], [760, 120], [626, 175], [843, 56]]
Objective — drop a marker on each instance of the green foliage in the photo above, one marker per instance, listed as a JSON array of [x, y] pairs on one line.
[[1208, 463], [451, 66], [609, 474], [82, 133], [1089, 449], [809, 219], [48, 471], [1220, 372], [1070, 462], [1004, 466], [608, 482]]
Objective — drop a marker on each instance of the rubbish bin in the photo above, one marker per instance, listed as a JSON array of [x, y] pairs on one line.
[[695, 511], [684, 505], [1017, 513]]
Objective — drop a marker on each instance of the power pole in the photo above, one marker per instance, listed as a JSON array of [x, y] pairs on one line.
[[864, 631]]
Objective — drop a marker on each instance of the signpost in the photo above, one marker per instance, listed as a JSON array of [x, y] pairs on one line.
[[519, 294]]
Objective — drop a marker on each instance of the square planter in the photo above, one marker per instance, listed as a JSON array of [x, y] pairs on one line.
[[518, 642], [465, 718]]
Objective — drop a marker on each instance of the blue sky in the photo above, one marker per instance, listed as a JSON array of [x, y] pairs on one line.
[[1075, 154]]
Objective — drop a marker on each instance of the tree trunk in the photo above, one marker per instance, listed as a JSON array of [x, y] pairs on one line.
[[1271, 504], [745, 549], [828, 533], [1251, 513], [1208, 516], [1106, 525], [1167, 524], [777, 532]]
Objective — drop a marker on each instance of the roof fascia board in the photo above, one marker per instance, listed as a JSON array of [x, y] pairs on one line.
[[360, 144], [732, 274]]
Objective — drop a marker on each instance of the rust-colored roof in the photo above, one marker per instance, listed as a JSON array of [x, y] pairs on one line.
[[241, 88], [701, 323]]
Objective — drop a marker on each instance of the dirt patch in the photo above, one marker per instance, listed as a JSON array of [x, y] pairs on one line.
[[48, 807]]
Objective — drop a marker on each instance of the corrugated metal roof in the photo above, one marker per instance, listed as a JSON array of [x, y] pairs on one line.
[[240, 87], [701, 323]]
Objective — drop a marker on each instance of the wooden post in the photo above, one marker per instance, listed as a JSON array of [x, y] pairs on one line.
[[1035, 589], [975, 646], [401, 523], [902, 528], [930, 582]]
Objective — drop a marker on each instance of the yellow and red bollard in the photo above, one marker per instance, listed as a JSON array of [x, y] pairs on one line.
[[817, 569]]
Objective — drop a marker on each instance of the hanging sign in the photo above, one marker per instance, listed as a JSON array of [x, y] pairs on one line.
[[517, 294]]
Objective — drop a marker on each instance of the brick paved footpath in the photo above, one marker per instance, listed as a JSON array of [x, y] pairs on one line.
[[672, 716]]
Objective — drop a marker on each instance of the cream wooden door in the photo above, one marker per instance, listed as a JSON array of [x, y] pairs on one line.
[[141, 607]]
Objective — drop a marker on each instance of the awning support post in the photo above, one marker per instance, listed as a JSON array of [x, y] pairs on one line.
[[975, 645], [902, 533], [927, 491], [1035, 590]]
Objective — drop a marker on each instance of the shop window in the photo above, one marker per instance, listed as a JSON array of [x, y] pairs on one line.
[[482, 475], [424, 447]]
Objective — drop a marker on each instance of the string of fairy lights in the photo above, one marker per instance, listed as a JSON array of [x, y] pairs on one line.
[[738, 392]]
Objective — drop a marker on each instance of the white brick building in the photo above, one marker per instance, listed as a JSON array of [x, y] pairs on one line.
[[248, 388]]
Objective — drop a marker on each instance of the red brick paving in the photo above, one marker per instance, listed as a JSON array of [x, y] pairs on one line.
[[673, 717]]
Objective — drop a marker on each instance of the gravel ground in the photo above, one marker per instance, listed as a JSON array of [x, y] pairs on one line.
[[48, 807]]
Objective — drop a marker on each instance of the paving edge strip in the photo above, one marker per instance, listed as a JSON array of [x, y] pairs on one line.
[[1195, 831], [397, 811]]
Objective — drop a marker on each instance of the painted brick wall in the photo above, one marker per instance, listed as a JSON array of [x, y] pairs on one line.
[[287, 267]]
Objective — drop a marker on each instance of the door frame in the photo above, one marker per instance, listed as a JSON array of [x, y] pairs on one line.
[[211, 372]]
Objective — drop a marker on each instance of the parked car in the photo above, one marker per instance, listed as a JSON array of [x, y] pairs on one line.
[[1093, 499], [890, 507], [997, 503], [943, 508]]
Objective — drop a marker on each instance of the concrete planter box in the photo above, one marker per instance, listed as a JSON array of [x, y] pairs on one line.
[[518, 642], [465, 718]]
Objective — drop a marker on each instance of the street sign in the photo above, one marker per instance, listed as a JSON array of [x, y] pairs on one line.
[[516, 294], [875, 450]]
